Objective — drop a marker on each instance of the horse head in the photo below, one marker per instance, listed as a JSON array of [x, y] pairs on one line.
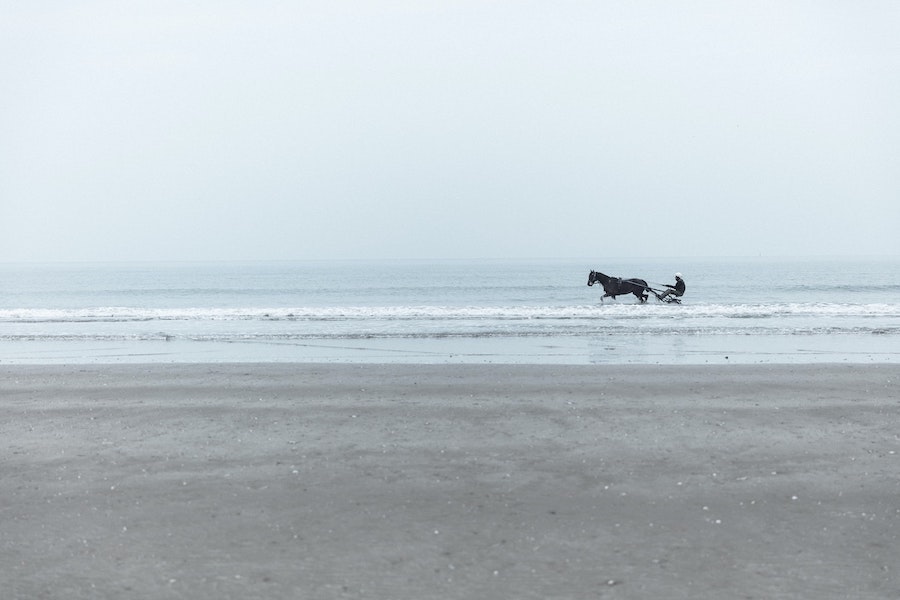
[[597, 277]]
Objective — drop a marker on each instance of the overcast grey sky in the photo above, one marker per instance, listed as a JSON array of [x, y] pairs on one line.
[[164, 130]]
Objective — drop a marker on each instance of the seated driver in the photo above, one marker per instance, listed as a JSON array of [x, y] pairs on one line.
[[674, 290]]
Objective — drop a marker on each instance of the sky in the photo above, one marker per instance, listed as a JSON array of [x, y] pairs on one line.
[[257, 130]]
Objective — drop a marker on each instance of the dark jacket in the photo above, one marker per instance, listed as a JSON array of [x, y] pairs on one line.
[[678, 287]]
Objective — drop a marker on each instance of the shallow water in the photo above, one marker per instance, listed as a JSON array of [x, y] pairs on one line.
[[541, 311]]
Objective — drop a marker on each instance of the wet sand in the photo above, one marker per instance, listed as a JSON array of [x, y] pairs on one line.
[[450, 481]]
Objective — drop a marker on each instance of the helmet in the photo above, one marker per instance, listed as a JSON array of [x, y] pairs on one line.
[[677, 275]]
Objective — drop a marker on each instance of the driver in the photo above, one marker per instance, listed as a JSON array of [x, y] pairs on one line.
[[674, 290]]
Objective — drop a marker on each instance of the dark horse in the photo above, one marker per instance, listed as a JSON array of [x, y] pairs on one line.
[[616, 286]]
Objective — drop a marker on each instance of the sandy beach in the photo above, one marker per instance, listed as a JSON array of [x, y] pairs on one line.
[[450, 481]]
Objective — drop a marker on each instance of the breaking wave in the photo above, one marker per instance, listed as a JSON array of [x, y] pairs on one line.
[[424, 321]]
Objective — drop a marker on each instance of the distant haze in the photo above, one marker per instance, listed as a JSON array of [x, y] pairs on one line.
[[163, 130]]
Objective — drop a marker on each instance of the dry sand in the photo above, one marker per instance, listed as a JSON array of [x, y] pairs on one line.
[[410, 481]]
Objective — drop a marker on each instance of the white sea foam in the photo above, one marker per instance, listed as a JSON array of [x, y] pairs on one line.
[[424, 321], [624, 311]]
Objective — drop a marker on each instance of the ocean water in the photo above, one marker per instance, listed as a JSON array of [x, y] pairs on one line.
[[524, 311]]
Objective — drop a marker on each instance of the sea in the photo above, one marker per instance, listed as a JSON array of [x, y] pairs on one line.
[[537, 311]]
